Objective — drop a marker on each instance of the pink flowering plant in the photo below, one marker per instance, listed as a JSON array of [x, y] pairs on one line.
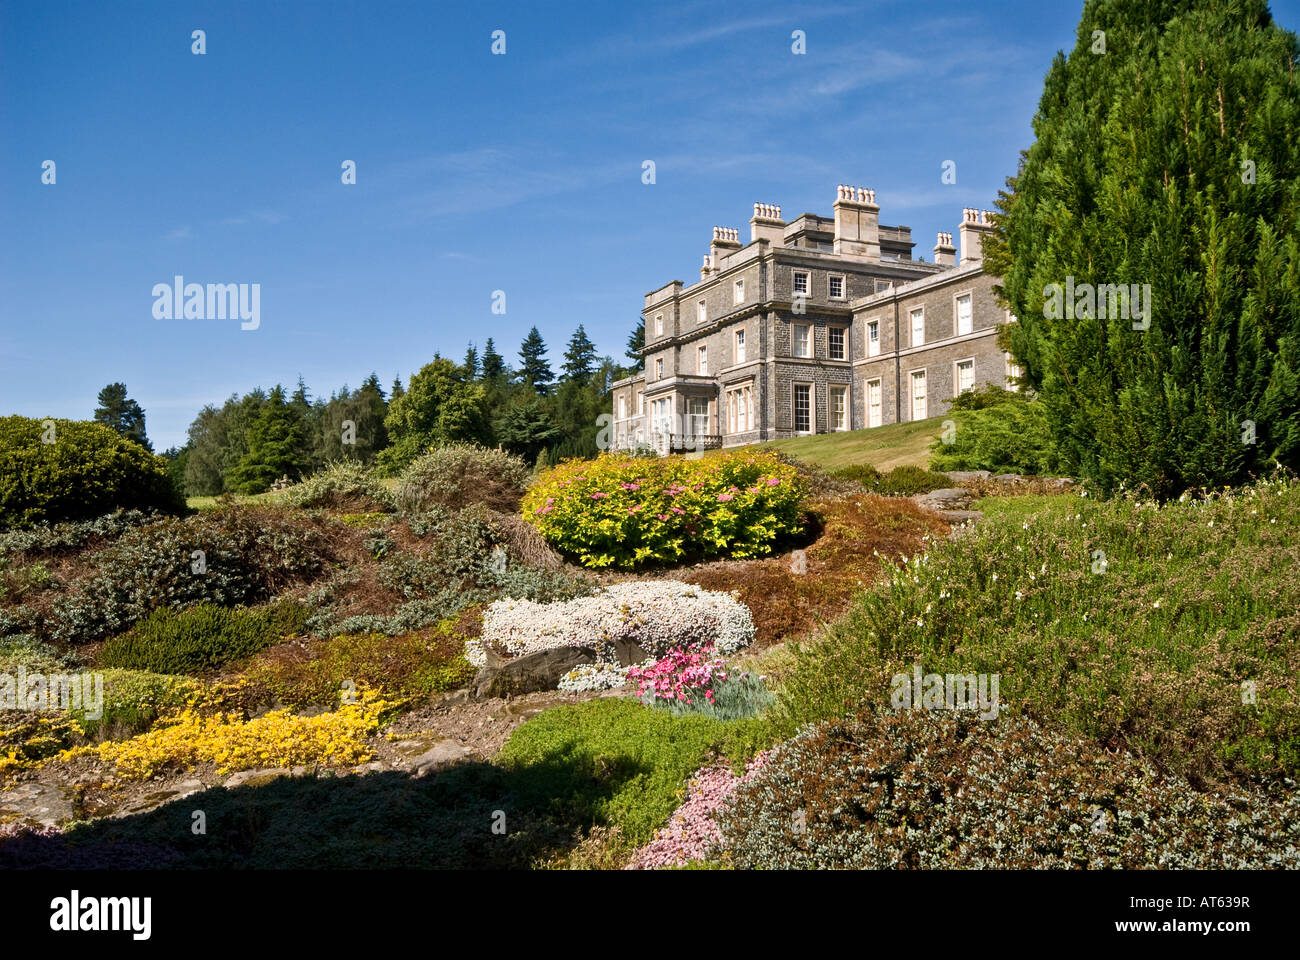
[[625, 511], [684, 676]]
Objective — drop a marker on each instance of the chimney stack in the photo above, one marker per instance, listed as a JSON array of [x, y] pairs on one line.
[[766, 224], [726, 241], [945, 254], [975, 225], [857, 223]]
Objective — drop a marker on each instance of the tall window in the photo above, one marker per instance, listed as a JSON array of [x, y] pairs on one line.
[[802, 340], [801, 283], [740, 346], [965, 375], [701, 311], [622, 408], [661, 415], [659, 369], [659, 324], [963, 314], [802, 408], [1013, 371], [738, 292], [839, 408], [873, 403], [697, 417], [918, 327], [836, 335], [835, 287], [702, 361], [873, 338], [918, 395], [740, 409]]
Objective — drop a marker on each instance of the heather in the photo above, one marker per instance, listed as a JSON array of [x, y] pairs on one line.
[[1164, 629]]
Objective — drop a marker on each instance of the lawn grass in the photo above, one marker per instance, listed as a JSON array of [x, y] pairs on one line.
[[893, 445]]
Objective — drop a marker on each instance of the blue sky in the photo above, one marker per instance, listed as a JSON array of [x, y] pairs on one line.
[[475, 172]]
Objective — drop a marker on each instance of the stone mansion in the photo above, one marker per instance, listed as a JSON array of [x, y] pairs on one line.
[[816, 325]]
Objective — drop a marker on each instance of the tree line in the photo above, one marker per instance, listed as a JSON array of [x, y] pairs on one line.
[[249, 442]]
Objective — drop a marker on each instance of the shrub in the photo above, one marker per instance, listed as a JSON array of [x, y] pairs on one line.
[[342, 485], [658, 616], [937, 790], [408, 665], [133, 700], [29, 738], [51, 538], [27, 650], [87, 470], [248, 556], [200, 638], [458, 475], [626, 511], [898, 482], [1004, 432]]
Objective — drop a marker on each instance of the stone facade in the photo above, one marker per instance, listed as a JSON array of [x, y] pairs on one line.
[[776, 339]]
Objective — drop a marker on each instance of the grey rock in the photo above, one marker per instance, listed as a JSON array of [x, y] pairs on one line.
[[442, 754], [1008, 478], [966, 476], [527, 674], [949, 498], [45, 804]]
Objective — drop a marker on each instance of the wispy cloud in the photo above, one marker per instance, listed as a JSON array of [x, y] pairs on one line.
[[271, 217], [180, 233]]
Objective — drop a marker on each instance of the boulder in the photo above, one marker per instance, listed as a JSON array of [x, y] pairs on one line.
[[542, 670], [949, 498], [442, 754], [966, 476], [1008, 478]]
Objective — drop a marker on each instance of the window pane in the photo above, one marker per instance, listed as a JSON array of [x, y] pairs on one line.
[[963, 315], [802, 408]]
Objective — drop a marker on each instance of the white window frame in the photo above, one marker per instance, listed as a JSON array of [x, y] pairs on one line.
[[1013, 370], [740, 408], [911, 394], [873, 343], [794, 340], [702, 360], [738, 291], [622, 408], [739, 342], [691, 424], [956, 375], [832, 391], [956, 313], [807, 283], [844, 342], [812, 409], [659, 368], [659, 324], [880, 397], [911, 323], [844, 286], [701, 311]]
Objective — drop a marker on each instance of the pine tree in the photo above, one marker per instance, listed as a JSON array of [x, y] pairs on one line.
[[471, 363], [579, 358], [1166, 162], [494, 365], [397, 390], [636, 343], [275, 441], [122, 414], [535, 370]]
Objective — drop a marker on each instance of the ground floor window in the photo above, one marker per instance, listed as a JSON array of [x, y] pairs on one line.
[[839, 410], [965, 375], [697, 417], [803, 408], [918, 395], [873, 403], [740, 409]]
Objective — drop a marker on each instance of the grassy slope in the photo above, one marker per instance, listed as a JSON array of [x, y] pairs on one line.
[[893, 445]]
